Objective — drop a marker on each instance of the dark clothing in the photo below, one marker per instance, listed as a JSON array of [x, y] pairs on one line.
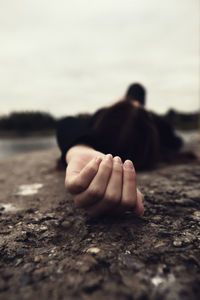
[[169, 142], [76, 130], [71, 131]]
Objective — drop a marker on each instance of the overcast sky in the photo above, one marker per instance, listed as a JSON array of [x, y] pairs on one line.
[[71, 56]]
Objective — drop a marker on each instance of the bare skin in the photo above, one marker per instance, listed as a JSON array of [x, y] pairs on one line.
[[102, 184]]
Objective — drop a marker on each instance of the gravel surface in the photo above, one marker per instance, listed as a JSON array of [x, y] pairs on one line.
[[50, 250]]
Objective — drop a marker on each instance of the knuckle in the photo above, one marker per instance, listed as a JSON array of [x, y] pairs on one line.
[[112, 199], [107, 167], [117, 169], [73, 186], [95, 193], [92, 169], [129, 202]]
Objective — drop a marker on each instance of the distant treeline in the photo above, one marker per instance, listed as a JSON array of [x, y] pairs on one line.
[[183, 121], [30, 122], [27, 122]]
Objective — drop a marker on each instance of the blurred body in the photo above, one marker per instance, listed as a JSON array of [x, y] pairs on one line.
[[100, 153]]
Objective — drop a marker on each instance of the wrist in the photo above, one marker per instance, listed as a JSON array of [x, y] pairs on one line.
[[75, 150]]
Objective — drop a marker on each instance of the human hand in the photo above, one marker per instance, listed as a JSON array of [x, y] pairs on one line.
[[102, 184]]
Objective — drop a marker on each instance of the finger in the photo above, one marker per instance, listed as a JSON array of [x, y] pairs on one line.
[[77, 183], [97, 187], [129, 193], [112, 196], [139, 208]]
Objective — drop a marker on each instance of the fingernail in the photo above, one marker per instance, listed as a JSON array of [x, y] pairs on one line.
[[98, 160], [108, 157], [128, 165], [117, 160]]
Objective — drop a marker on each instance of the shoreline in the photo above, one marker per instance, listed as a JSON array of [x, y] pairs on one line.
[[15, 134], [51, 132]]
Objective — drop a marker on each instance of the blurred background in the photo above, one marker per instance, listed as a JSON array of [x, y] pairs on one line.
[[67, 57]]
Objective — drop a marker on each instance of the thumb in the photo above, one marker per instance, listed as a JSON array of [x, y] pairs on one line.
[[77, 181]]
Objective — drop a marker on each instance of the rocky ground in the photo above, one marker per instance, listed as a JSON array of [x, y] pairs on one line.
[[50, 250]]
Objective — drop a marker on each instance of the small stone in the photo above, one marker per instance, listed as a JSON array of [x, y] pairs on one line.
[[157, 280], [159, 244], [37, 259], [19, 261], [86, 262], [93, 250], [157, 219], [177, 243], [89, 240], [66, 224], [31, 226], [43, 228], [196, 215]]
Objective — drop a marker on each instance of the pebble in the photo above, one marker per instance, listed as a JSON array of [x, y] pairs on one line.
[[196, 215], [66, 224], [157, 280], [151, 191], [37, 259], [160, 244], [18, 262], [43, 228], [93, 250], [157, 218], [177, 243], [86, 262]]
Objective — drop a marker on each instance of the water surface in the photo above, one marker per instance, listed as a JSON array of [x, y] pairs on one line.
[[12, 146]]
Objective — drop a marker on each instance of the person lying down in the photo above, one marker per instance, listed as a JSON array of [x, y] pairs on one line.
[[103, 153]]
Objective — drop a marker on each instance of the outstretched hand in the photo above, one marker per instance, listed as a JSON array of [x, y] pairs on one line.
[[100, 183]]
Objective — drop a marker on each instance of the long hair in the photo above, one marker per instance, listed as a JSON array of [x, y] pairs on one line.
[[129, 132]]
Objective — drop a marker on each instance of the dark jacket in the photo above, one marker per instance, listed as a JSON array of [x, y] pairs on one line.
[[77, 130]]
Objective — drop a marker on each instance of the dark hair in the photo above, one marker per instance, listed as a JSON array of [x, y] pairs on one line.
[[136, 92], [129, 132]]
